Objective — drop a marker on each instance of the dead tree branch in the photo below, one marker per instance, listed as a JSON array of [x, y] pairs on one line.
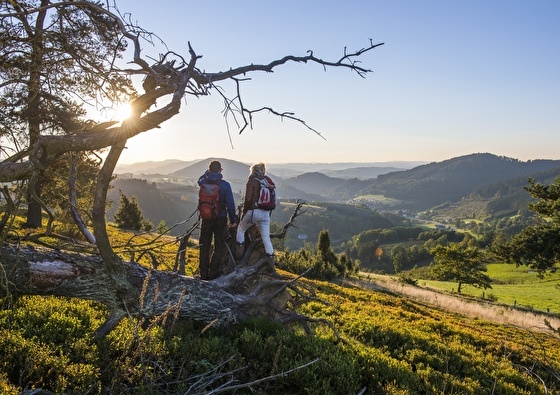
[[291, 221], [235, 387], [104, 276]]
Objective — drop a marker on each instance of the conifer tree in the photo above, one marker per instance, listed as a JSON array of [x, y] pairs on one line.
[[537, 246], [129, 215], [326, 261], [55, 56]]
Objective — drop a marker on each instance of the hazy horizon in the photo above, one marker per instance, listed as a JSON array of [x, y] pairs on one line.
[[272, 163], [120, 163]]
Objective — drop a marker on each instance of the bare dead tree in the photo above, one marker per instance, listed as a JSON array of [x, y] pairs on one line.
[[103, 275]]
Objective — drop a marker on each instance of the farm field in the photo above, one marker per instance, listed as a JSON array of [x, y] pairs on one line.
[[512, 286]]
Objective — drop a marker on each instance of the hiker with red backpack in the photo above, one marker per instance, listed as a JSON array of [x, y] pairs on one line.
[[259, 201], [215, 205]]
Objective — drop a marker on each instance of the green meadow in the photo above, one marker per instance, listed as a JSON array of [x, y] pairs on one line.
[[512, 286]]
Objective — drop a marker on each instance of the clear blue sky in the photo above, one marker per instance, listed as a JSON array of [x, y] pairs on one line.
[[453, 78]]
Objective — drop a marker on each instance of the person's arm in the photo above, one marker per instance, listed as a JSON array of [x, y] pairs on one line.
[[251, 194], [230, 205], [202, 179]]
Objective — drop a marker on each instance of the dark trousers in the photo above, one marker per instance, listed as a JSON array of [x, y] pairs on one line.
[[209, 267]]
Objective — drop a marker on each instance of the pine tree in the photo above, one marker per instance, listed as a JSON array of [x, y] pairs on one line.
[[537, 246], [129, 215], [55, 58], [326, 262]]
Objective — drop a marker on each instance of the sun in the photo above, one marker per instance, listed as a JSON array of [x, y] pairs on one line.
[[122, 112]]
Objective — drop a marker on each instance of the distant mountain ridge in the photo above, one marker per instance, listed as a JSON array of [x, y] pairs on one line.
[[361, 170], [420, 188], [233, 169], [429, 185], [491, 184], [160, 167]]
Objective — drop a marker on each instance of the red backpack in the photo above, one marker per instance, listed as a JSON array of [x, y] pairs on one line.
[[209, 200], [267, 194]]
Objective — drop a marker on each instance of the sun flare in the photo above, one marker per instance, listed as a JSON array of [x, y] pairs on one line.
[[122, 112]]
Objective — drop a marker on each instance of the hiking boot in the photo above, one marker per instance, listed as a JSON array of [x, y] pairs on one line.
[[239, 250], [270, 263]]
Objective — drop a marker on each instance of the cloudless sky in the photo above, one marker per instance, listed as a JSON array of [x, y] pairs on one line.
[[452, 78]]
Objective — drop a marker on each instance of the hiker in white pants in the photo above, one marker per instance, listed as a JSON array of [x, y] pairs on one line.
[[253, 214], [262, 219]]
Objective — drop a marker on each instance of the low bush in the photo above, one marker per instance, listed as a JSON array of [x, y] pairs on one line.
[[386, 344]]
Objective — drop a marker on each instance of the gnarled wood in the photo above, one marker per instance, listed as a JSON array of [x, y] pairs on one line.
[[246, 291]]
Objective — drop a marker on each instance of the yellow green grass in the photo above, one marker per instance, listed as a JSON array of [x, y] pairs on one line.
[[383, 344]]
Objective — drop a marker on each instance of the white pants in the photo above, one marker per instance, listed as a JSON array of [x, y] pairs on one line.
[[262, 219]]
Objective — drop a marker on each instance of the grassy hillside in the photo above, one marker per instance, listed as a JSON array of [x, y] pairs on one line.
[[364, 341], [378, 344]]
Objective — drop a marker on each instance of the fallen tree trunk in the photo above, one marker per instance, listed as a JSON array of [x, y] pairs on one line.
[[248, 290]]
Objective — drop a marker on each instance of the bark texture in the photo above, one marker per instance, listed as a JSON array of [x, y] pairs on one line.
[[248, 290]]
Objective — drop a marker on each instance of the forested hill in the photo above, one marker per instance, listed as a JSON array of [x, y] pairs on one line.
[[497, 180], [319, 183], [428, 185], [510, 196], [164, 202]]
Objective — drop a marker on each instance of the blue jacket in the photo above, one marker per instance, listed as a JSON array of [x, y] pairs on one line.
[[226, 194]]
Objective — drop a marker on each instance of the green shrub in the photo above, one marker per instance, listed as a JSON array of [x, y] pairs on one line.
[[6, 388], [45, 343], [407, 279], [384, 343]]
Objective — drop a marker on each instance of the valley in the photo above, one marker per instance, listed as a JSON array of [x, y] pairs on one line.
[[465, 197], [465, 192]]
